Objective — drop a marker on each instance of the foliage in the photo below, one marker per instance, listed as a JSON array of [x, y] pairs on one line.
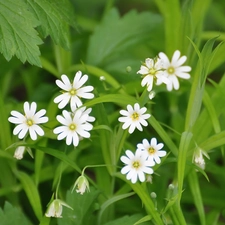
[[109, 41]]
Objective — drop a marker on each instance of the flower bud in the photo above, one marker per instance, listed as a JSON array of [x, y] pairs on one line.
[[55, 208], [82, 184], [18, 154]]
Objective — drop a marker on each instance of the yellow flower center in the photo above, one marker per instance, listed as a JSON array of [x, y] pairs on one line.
[[72, 127], [73, 92], [171, 70], [135, 116], [151, 150], [136, 165], [30, 122], [152, 71]]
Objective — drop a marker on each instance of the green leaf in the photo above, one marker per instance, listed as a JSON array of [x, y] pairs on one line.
[[144, 219], [196, 193], [58, 154], [182, 153], [17, 34], [83, 206], [195, 99], [125, 220], [145, 198], [12, 216], [32, 193], [116, 34], [111, 201], [53, 20], [116, 98]]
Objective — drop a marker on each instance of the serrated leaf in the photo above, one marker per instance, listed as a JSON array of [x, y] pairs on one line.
[[12, 216], [17, 34], [52, 21], [115, 34]]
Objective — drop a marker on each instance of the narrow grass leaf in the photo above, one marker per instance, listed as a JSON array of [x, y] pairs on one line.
[[196, 194], [31, 191], [110, 202]]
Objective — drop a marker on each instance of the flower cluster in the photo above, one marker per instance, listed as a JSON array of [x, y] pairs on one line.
[[141, 162], [158, 70], [162, 70], [76, 122]]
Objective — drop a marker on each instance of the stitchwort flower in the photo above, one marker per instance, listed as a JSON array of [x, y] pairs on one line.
[[28, 122], [74, 126], [20, 150], [73, 92], [134, 117], [136, 165], [153, 149], [152, 72], [198, 158], [174, 69], [55, 208], [82, 185]]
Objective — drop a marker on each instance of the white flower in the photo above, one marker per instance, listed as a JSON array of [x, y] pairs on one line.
[[29, 121], [134, 117], [73, 92], [82, 185], [75, 125], [174, 69], [152, 149], [55, 208], [151, 95], [18, 154], [199, 159], [152, 72], [136, 165]]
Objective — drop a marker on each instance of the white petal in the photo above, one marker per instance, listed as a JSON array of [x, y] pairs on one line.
[[183, 75], [175, 82], [141, 176], [33, 108], [134, 178], [61, 129], [22, 132], [38, 130], [131, 128], [130, 154], [65, 83], [161, 153], [124, 159], [148, 170], [75, 139], [20, 127], [164, 59], [149, 63], [69, 138], [125, 169], [175, 57], [81, 82], [33, 134], [77, 77], [181, 61]]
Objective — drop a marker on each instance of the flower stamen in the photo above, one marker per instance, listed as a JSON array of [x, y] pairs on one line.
[[171, 70], [136, 165], [72, 126], [151, 150], [135, 116], [30, 122], [73, 91]]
